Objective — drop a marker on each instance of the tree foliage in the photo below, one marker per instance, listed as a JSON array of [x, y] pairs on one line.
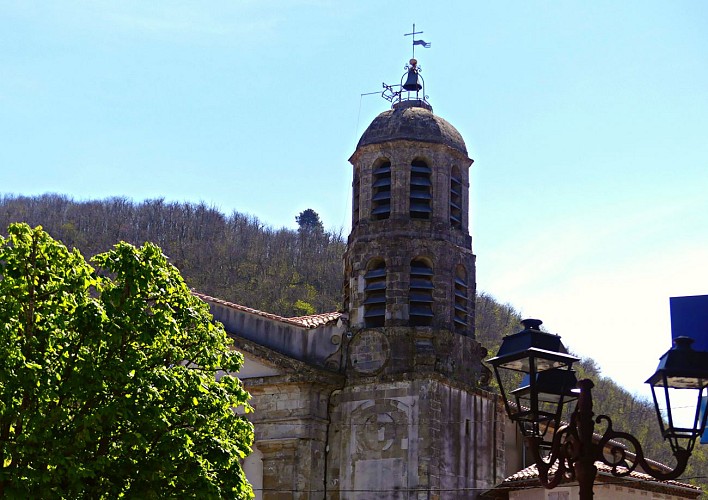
[[107, 385]]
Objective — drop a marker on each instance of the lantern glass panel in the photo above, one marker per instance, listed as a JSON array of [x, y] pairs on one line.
[[679, 388], [533, 360], [545, 403], [680, 414]]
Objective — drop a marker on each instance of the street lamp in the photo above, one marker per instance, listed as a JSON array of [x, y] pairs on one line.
[[549, 384]]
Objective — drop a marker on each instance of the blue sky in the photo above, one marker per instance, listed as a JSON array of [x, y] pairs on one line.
[[587, 121]]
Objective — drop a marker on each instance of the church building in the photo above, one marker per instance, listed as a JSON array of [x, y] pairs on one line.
[[387, 399]]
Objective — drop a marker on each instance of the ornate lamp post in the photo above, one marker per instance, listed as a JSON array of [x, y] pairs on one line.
[[549, 383]]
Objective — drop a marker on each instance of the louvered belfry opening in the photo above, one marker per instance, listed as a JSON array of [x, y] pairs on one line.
[[355, 198], [461, 299], [381, 191], [420, 294], [375, 294], [421, 190], [455, 199], [347, 289]]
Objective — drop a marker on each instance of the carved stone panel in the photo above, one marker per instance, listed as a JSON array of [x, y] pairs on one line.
[[380, 429]]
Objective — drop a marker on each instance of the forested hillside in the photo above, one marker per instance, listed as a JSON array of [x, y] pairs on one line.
[[235, 257], [238, 258]]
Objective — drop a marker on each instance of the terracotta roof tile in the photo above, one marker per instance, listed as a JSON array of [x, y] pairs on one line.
[[531, 473], [315, 320], [312, 321]]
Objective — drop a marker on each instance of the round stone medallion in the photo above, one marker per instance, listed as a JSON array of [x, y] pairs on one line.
[[369, 351]]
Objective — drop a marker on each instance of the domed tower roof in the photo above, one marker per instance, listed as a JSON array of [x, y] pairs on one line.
[[412, 120]]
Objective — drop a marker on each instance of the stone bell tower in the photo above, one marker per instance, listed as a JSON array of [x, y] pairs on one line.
[[410, 223], [409, 266], [413, 415]]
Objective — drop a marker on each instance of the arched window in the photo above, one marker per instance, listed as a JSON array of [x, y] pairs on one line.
[[461, 299], [421, 190], [381, 191], [420, 293], [375, 294], [355, 198], [455, 199]]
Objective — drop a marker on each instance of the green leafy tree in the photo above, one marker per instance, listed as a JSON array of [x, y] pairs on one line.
[[108, 380]]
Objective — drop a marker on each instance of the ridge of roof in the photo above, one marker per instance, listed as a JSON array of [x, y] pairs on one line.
[[311, 321]]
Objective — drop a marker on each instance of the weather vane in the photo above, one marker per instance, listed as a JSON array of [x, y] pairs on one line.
[[413, 83], [417, 42]]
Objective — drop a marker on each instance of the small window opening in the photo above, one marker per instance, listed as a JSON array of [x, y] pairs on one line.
[[381, 192], [420, 294], [375, 295], [421, 190]]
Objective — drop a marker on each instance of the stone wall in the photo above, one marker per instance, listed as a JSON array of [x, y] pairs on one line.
[[418, 438], [319, 346], [373, 353], [291, 424]]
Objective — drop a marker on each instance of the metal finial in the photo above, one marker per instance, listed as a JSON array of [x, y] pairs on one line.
[[413, 80]]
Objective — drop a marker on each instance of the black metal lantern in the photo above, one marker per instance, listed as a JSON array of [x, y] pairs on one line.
[[540, 398], [571, 453], [681, 369]]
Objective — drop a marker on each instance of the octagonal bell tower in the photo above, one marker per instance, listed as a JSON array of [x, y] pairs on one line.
[[409, 260], [413, 414], [409, 266]]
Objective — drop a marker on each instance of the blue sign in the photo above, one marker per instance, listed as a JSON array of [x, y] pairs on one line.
[[689, 318], [704, 436]]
